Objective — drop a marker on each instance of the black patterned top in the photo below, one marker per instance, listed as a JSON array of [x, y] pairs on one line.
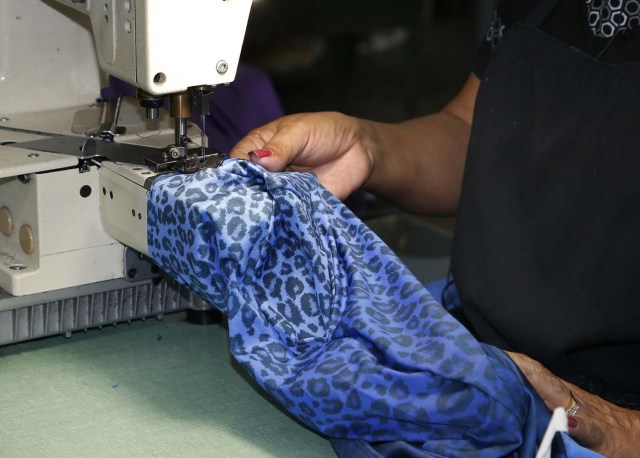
[[607, 29]]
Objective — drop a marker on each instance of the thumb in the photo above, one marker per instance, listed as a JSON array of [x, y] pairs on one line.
[[254, 140], [273, 146], [278, 153]]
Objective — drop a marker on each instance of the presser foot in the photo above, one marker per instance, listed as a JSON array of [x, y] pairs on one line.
[[182, 159]]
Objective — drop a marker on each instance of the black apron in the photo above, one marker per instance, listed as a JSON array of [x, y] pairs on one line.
[[546, 254]]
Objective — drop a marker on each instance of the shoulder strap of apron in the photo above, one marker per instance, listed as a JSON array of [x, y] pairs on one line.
[[540, 12]]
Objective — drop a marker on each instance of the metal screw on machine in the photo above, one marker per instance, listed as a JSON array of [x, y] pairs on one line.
[[222, 66], [3, 119], [176, 152]]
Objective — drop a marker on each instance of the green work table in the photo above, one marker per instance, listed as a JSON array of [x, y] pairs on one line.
[[154, 388]]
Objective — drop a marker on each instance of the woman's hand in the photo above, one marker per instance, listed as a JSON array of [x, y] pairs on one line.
[[416, 165], [333, 146], [599, 425]]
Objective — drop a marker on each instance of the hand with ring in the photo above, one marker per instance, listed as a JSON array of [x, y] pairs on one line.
[[595, 423]]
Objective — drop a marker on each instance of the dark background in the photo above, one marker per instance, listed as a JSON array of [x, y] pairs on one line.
[[386, 60]]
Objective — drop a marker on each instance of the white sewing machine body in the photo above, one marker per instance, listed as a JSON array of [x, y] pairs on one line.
[[57, 226], [65, 214]]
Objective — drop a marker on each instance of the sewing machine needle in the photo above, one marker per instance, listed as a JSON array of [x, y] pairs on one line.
[[202, 125]]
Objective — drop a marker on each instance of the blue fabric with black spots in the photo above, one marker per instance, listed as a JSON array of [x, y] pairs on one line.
[[329, 321]]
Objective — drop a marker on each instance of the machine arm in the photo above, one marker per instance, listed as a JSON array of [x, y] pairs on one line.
[[165, 47]]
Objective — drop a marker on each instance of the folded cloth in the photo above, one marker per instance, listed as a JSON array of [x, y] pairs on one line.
[[330, 322]]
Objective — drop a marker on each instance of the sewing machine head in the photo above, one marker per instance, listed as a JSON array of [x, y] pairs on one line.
[[181, 49], [68, 202], [175, 50], [165, 47]]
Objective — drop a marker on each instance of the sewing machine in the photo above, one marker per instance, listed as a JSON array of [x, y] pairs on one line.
[[74, 168]]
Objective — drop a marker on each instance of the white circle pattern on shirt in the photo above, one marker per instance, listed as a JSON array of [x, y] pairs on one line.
[[610, 17], [606, 19], [495, 30]]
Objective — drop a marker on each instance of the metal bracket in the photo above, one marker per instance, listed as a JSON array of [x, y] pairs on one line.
[[188, 161], [109, 117], [138, 267], [90, 148], [170, 159]]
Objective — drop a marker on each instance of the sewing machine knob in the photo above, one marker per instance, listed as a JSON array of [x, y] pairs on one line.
[[6, 221], [152, 103], [27, 239]]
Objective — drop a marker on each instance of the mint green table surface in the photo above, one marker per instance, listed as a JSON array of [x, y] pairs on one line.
[[153, 388]]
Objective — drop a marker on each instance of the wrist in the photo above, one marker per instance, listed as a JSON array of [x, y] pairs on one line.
[[373, 137], [621, 438]]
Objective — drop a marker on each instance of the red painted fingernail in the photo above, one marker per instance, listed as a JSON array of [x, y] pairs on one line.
[[261, 153], [572, 422]]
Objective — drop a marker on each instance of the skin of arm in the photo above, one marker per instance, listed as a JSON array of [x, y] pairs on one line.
[[418, 164]]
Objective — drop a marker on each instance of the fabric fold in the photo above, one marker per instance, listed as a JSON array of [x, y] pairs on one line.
[[329, 321]]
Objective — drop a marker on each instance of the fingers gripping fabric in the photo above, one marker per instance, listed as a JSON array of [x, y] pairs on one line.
[[327, 319]]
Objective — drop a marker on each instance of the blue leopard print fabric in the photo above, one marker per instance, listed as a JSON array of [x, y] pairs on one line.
[[328, 320]]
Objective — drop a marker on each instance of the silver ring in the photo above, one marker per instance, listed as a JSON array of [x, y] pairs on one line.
[[574, 407]]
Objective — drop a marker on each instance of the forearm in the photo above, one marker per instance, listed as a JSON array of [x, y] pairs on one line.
[[418, 165]]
